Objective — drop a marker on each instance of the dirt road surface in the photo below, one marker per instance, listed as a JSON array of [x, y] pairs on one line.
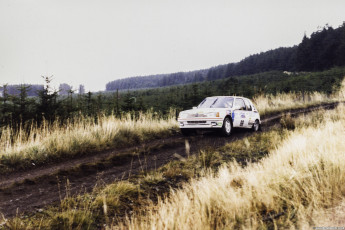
[[29, 191]]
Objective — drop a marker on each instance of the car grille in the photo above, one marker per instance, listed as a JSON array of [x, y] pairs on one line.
[[196, 122], [197, 115]]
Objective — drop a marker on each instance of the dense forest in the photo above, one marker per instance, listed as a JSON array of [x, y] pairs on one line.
[[159, 80], [323, 50], [186, 96]]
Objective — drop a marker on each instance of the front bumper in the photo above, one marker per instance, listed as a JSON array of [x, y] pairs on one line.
[[200, 123]]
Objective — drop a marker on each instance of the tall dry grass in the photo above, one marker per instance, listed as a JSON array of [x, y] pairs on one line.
[[52, 141], [268, 103], [303, 177]]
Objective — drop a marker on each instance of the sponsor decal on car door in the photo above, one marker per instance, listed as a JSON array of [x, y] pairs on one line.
[[240, 116], [249, 113]]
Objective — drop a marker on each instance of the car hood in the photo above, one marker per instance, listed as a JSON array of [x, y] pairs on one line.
[[205, 110], [201, 111]]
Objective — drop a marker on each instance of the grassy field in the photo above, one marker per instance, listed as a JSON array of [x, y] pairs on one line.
[[107, 205], [293, 178], [302, 179], [268, 103], [52, 142]]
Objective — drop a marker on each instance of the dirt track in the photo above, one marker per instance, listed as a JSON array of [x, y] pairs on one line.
[[29, 191]]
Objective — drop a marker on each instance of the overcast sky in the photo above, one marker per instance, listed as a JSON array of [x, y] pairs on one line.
[[94, 42]]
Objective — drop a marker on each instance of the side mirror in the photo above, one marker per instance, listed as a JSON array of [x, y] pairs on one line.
[[194, 107]]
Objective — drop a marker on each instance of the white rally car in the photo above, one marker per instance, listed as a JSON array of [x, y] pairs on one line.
[[222, 113]]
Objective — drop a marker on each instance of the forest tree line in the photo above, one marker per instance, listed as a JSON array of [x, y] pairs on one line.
[[323, 50], [21, 110]]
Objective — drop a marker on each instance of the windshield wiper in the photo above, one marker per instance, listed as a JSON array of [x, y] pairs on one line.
[[202, 103], [213, 103]]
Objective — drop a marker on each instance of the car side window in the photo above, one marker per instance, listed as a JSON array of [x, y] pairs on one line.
[[240, 103], [248, 105], [228, 102]]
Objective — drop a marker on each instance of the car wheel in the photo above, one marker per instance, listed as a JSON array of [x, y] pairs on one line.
[[187, 132], [227, 127], [256, 126]]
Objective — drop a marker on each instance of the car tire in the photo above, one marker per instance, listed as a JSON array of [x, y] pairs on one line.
[[187, 132], [227, 127], [256, 126]]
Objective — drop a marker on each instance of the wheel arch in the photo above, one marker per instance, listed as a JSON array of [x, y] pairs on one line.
[[230, 118], [257, 119]]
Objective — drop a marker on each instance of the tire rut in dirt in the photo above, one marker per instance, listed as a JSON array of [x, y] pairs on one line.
[[33, 194]]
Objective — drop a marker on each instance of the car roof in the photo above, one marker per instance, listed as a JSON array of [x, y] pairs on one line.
[[228, 96]]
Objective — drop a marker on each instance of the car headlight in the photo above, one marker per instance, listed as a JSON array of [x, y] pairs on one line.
[[212, 114]]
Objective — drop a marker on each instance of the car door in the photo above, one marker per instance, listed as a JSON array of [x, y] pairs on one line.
[[249, 114], [240, 114]]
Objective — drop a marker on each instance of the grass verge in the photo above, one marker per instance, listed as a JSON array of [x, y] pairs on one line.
[[302, 177], [51, 142], [268, 104], [108, 206]]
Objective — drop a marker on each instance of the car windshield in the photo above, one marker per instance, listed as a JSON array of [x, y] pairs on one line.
[[216, 102]]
